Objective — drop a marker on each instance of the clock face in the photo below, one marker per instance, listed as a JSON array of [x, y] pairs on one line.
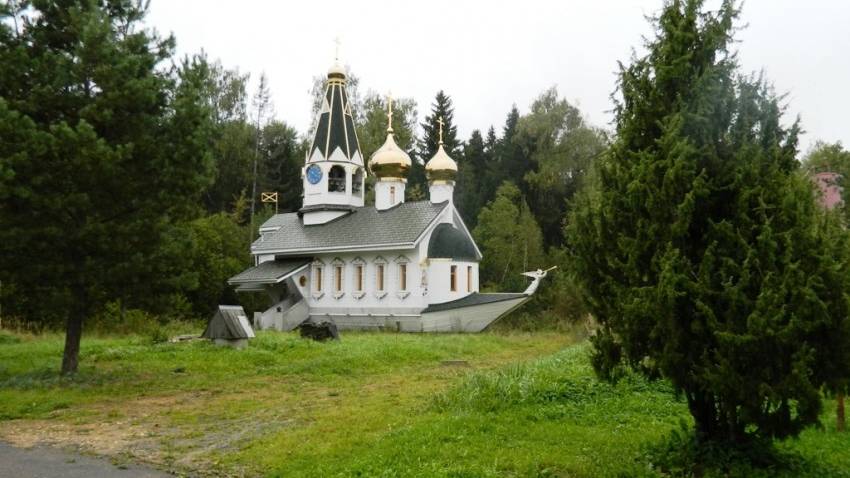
[[314, 174]]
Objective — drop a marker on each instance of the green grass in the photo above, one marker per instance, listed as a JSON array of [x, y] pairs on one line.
[[371, 405]]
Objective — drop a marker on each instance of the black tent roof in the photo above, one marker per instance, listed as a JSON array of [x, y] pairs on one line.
[[335, 126]]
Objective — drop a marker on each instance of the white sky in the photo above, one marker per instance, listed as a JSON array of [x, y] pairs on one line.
[[488, 55]]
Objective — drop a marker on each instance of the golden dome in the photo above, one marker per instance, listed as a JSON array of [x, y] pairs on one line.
[[441, 167], [390, 161], [336, 72]]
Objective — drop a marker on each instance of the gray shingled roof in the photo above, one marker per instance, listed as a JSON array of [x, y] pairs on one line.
[[474, 298], [365, 226], [269, 272]]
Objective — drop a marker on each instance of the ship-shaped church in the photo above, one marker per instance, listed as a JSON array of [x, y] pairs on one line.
[[397, 265]]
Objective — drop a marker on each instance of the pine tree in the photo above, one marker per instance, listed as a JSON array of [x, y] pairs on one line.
[[700, 248], [101, 150], [281, 159], [469, 194]]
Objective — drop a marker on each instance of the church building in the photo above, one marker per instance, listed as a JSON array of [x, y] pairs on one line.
[[394, 264]]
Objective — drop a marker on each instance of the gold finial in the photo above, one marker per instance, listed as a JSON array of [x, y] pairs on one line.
[[440, 121], [389, 112], [336, 53]]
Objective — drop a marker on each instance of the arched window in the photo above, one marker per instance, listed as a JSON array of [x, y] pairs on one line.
[[336, 179], [357, 182]]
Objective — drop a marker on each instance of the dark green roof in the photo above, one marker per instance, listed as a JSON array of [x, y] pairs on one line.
[[335, 126], [447, 242], [269, 272], [362, 227], [474, 298]]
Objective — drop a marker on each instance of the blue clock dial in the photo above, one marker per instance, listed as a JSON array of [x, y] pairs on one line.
[[314, 174]]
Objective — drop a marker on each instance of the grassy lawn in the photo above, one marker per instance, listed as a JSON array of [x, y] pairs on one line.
[[371, 405]]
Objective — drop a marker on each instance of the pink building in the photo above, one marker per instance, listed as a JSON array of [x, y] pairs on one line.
[[830, 190]]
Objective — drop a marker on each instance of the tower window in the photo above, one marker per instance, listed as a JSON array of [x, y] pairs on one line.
[[469, 278], [392, 194], [453, 279], [357, 182], [336, 179]]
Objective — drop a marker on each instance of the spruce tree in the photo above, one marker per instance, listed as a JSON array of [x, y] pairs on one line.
[[700, 248], [102, 149], [469, 194]]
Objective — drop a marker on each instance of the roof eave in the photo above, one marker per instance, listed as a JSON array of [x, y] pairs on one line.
[[373, 247]]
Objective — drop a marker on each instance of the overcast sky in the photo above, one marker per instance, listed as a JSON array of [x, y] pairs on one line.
[[489, 55]]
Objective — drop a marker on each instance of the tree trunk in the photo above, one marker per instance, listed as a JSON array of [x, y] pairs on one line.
[[73, 334], [703, 410], [839, 415]]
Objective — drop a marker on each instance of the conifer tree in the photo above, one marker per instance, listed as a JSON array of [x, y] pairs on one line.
[[102, 149], [700, 248], [282, 156], [469, 194]]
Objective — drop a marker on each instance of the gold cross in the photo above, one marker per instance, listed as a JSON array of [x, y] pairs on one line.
[[440, 121], [389, 112], [336, 54]]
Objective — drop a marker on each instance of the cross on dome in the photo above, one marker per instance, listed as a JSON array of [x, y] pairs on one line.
[[389, 112]]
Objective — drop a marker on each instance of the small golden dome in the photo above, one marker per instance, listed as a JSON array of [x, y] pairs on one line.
[[336, 72], [390, 161], [441, 167]]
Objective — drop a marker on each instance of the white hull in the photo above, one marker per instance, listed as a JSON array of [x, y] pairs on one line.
[[470, 314]]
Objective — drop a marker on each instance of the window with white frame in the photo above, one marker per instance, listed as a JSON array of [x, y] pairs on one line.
[[338, 277], [402, 271], [469, 278], [359, 278], [380, 277], [453, 279], [318, 279]]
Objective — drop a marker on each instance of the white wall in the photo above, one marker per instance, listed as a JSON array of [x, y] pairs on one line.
[[391, 300], [439, 280], [441, 191], [318, 193], [384, 199]]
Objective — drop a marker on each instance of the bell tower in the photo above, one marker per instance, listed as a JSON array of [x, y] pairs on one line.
[[334, 176]]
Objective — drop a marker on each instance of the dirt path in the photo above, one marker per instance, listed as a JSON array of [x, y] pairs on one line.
[[45, 462]]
